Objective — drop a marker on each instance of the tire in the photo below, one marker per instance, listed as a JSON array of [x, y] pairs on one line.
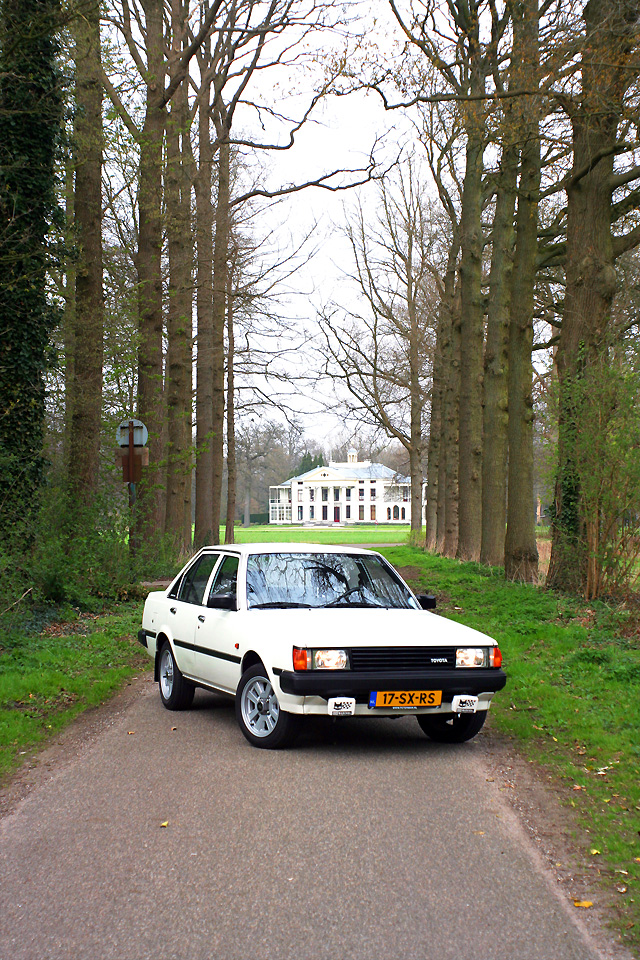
[[258, 712], [452, 727], [176, 693]]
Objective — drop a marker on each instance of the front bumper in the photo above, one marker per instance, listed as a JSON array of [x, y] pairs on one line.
[[348, 683]]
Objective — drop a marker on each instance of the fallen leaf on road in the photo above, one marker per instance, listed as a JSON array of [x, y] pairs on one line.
[[577, 786], [165, 824], [583, 903], [174, 728], [594, 852], [479, 833], [129, 732]]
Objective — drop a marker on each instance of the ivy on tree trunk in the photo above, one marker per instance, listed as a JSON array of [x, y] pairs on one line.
[[30, 118]]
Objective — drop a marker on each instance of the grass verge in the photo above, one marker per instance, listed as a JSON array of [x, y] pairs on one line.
[[572, 702], [51, 672]]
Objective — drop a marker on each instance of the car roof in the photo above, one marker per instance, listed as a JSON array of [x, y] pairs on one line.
[[251, 548]]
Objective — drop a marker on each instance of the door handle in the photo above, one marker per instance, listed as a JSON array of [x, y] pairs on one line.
[[201, 618], [172, 609]]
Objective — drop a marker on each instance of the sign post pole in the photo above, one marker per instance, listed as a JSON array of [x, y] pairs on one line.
[[131, 437]]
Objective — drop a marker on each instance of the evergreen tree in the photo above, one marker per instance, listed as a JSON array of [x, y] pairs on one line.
[[30, 119]]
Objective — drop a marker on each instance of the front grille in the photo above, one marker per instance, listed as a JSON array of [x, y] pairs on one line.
[[398, 659]]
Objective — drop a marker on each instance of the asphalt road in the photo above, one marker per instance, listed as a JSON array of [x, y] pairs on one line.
[[364, 841]]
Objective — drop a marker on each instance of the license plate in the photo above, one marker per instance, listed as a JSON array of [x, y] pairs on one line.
[[405, 699]]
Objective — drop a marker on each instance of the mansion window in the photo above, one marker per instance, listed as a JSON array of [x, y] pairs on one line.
[[361, 493], [324, 513], [312, 513], [300, 513], [373, 511], [361, 512], [348, 493], [325, 494], [312, 495], [373, 493], [336, 493], [347, 512]]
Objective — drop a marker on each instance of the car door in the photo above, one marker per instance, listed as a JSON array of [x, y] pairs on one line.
[[217, 660], [186, 604]]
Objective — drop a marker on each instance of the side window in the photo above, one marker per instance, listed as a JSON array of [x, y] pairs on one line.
[[226, 578], [195, 579]]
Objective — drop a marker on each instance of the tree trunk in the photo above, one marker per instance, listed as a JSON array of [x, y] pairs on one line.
[[88, 325], [495, 414], [415, 398], [232, 471], [179, 334], [435, 431], [220, 258], [151, 407], [448, 454], [471, 332], [68, 320], [451, 422], [521, 551], [590, 261], [204, 309]]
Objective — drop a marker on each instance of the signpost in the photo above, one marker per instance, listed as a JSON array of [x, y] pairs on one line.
[[133, 454]]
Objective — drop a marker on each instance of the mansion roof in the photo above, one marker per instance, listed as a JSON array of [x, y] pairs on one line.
[[348, 472]]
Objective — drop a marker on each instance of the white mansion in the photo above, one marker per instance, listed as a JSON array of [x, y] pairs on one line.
[[351, 492]]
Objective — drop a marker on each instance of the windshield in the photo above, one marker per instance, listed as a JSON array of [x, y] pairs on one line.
[[323, 580]]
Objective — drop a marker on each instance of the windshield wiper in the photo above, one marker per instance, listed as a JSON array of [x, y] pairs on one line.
[[278, 605]]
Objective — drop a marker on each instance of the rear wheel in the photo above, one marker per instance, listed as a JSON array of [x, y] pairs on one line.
[[176, 693], [452, 727], [258, 712]]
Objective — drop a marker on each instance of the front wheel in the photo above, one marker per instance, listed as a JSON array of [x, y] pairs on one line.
[[176, 693], [258, 712], [452, 727]]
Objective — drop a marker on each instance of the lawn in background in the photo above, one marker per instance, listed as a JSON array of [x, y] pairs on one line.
[[360, 533]]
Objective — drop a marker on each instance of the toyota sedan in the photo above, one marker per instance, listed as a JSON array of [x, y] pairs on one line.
[[291, 630]]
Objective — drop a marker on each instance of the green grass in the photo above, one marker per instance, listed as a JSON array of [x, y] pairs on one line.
[[48, 675], [362, 533], [572, 702]]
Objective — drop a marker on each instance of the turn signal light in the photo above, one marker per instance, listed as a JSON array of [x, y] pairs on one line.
[[495, 657], [301, 659]]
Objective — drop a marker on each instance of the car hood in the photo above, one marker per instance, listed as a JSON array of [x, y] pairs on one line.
[[361, 627]]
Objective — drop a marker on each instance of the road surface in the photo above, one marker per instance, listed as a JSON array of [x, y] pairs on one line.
[[364, 841]]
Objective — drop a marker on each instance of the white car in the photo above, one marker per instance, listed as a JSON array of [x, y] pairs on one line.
[[291, 630]]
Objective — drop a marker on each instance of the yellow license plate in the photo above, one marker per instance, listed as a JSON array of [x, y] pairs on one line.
[[405, 699]]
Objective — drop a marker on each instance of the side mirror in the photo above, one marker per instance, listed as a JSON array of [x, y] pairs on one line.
[[427, 601], [222, 603]]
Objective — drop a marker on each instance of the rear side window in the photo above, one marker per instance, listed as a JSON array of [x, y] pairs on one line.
[[195, 579], [226, 579]]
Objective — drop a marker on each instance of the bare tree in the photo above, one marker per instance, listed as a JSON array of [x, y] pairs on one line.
[[383, 358]]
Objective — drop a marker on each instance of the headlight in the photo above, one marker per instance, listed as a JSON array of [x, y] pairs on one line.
[[471, 657], [478, 657], [328, 659]]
